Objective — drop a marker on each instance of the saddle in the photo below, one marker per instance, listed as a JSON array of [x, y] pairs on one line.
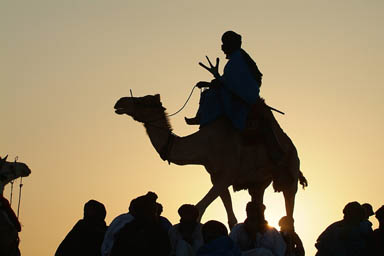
[[257, 124], [262, 128]]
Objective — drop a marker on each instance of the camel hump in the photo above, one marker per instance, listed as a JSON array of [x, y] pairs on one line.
[[263, 130], [261, 124]]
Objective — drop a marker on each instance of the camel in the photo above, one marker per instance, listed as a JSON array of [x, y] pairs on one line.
[[221, 150], [9, 225]]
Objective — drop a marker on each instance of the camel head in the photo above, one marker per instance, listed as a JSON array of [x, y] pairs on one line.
[[142, 109], [11, 170]]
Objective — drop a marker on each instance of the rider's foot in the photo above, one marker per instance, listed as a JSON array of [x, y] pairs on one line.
[[192, 121]]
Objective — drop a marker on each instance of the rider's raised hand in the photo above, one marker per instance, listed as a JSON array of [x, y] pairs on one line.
[[214, 70], [202, 84]]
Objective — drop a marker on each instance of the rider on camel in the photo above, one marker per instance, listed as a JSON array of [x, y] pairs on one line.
[[234, 94]]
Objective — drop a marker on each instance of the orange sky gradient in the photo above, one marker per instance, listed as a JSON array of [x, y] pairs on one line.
[[65, 63]]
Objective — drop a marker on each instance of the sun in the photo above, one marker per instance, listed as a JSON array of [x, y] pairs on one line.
[[274, 202]]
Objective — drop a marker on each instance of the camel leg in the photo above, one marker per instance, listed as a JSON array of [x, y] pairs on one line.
[[289, 197], [227, 201], [212, 194], [257, 193]]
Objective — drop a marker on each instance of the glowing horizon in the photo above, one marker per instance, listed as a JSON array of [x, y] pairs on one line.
[[65, 63]]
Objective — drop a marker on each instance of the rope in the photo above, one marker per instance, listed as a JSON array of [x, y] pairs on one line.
[[20, 186], [11, 196], [150, 122], [10, 200], [189, 97]]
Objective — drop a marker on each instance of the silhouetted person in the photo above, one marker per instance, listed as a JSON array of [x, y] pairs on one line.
[[144, 234], [366, 225], [165, 223], [376, 242], [344, 237], [186, 237], [10, 228], [216, 241], [255, 237], [116, 225], [291, 238], [87, 235], [233, 93], [120, 221]]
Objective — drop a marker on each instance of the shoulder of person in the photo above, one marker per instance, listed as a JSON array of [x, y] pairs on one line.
[[237, 228], [121, 218], [272, 229], [174, 229]]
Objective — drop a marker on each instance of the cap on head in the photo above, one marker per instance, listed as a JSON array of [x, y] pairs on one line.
[[353, 211], [231, 38], [231, 42], [94, 210], [143, 204], [188, 212], [213, 229]]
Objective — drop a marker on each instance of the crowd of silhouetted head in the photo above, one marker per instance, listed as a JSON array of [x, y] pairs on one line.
[[353, 235], [144, 231]]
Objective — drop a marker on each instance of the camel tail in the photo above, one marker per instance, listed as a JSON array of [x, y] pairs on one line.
[[303, 181]]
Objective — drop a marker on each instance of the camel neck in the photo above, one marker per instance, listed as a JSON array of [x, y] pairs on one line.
[[158, 132], [175, 149]]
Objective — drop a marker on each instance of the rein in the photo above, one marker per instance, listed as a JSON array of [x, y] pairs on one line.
[[164, 151], [189, 97], [149, 122]]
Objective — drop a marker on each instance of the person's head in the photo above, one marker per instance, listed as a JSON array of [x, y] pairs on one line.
[[353, 212], [379, 214], [368, 210], [159, 209], [286, 224], [188, 213], [144, 207], [255, 211], [94, 210], [231, 42], [212, 230]]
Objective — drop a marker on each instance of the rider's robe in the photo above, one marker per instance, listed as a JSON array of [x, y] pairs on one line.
[[239, 90]]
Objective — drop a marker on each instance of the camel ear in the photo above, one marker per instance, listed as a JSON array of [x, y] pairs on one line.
[[157, 97], [2, 160]]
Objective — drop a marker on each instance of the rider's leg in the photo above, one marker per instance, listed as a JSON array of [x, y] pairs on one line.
[[209, 108], [196, 120]]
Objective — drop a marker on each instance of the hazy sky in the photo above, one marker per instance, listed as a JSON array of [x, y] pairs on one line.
[[64, 64]]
